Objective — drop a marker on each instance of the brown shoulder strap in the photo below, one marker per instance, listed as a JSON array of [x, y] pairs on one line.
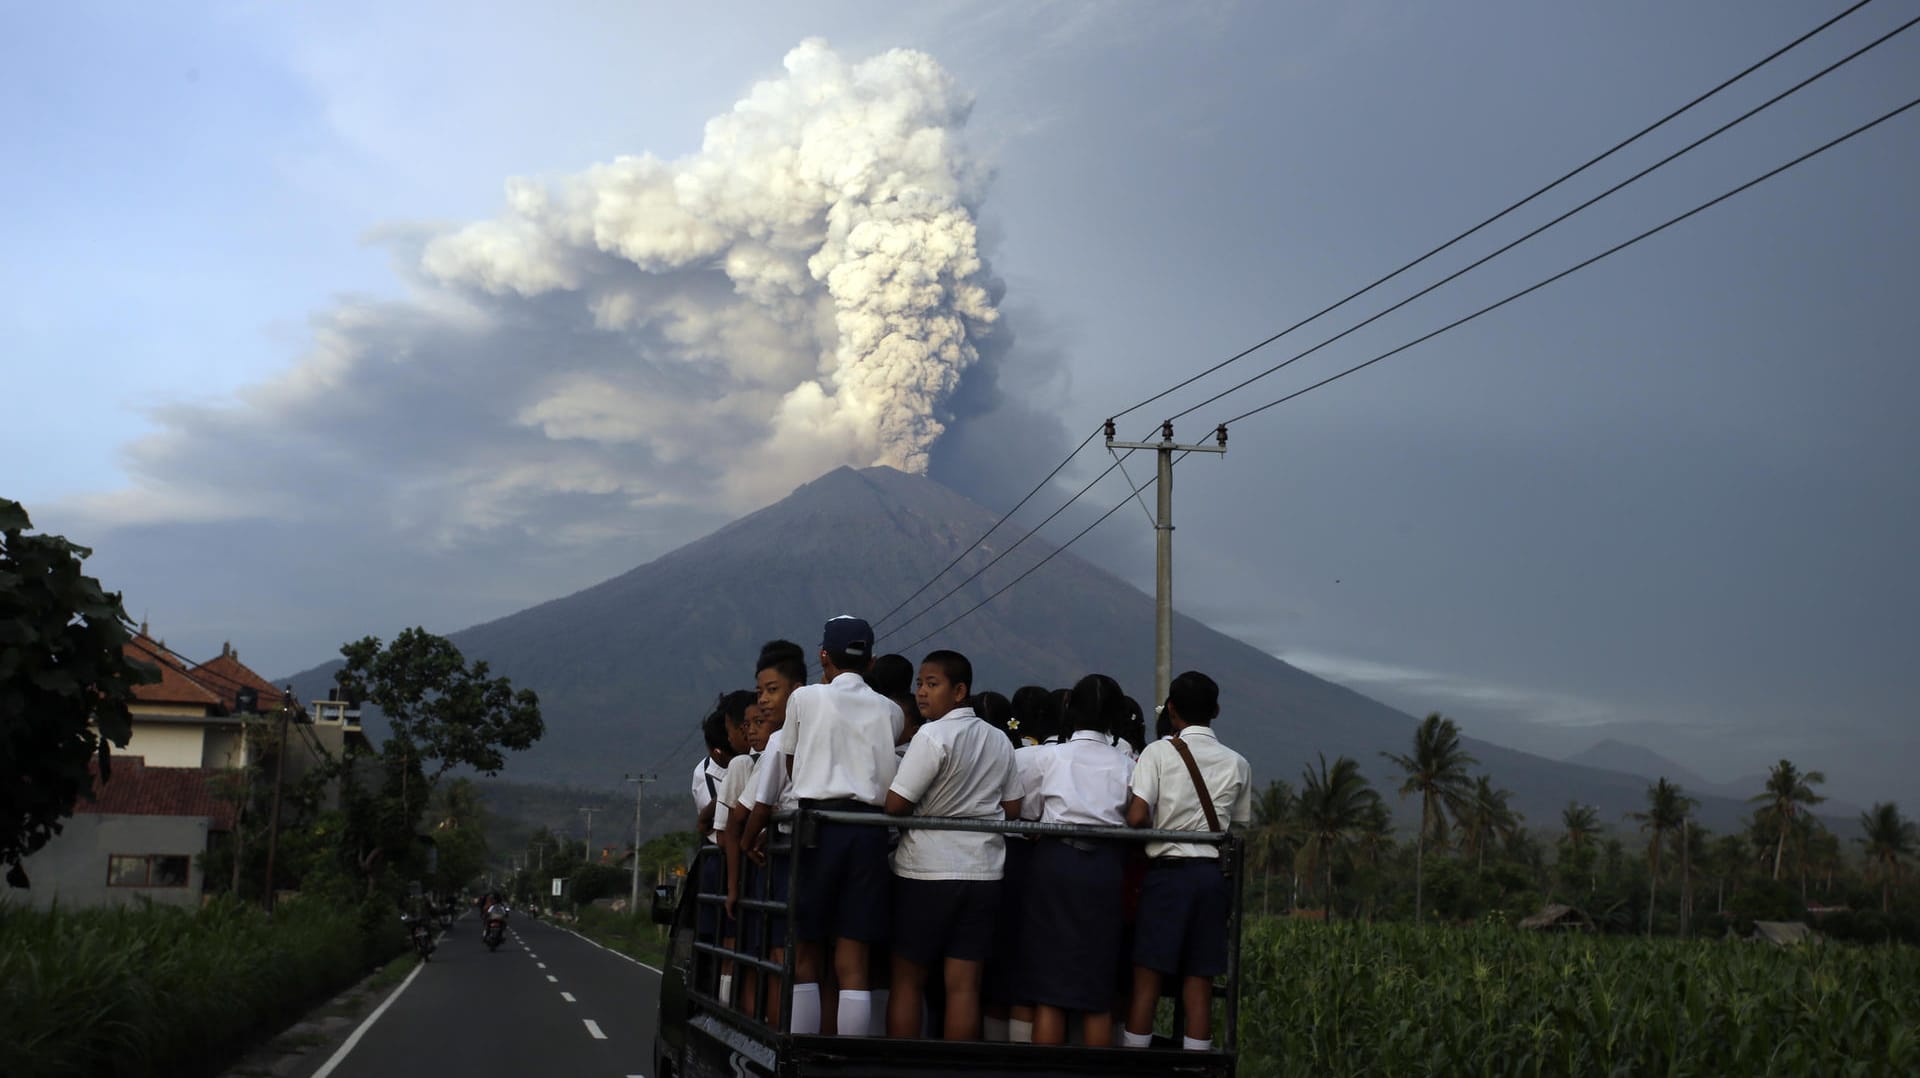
[[1199, 784]]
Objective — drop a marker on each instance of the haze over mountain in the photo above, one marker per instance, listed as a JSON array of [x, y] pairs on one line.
[[625, 668], [1615, 755]]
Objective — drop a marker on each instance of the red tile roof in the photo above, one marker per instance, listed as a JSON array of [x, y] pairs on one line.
[[176, 685], [226, 674], [139, 790]]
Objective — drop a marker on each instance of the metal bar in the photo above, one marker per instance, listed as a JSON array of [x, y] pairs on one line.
[[793, 939], [737, 956], [1023, 827]]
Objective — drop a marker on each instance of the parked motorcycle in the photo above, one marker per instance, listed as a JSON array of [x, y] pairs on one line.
[[496, 926], [421, 934]]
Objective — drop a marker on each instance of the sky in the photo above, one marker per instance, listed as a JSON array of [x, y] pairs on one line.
[[326, 320]]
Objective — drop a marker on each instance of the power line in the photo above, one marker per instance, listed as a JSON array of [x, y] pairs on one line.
[[1663, 162], [1724, 84], [1615, 148], [1576, 267]]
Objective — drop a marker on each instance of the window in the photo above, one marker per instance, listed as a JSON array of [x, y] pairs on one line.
[[147, 870]]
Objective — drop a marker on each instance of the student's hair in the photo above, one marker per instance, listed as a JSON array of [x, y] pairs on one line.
[[953, 666], [714, 726], [1057, 729], [1133, 725], [736, 703], [891, 676], [785, 658], [1033, 709], [1196, 697], [1094, 704], [997, 710], [848, 664]]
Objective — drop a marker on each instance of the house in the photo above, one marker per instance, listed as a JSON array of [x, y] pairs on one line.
[[1556, 917]]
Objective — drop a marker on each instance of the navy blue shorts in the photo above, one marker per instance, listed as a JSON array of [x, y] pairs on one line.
[[768, 882], [1004, 980], [1183, 918], [710, 878], [936, 919], [845, 885], [1074, 926]]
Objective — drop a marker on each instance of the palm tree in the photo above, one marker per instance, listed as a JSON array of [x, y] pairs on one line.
[[1437, 771], [1725, 859], [1888, 839], [1334, 805], [1787, 789], [1579, 824], [1667, 808], [1487, 819], [1271, 842]]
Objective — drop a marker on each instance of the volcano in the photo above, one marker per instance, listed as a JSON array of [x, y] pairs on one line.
[[625, 669]]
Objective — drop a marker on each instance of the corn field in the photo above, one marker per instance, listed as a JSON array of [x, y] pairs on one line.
[[165, 991], [1353, 999]]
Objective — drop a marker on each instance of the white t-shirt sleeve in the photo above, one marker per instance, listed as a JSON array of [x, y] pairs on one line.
[[919, 767], [1243, 803], [1011, 785], [1146, 775], [769, 781], [700, 785]]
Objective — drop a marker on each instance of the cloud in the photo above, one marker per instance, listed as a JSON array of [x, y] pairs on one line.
[[1442, 689], [806, 290]]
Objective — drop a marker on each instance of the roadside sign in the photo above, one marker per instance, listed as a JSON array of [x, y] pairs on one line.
[[556, 886]]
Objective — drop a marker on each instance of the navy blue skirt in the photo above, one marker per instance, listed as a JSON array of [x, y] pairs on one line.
[[1074, 925], [1002, 984]]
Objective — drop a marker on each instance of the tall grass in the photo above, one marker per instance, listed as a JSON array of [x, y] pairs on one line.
[[157, 990], [632, 934], [1350, 999]]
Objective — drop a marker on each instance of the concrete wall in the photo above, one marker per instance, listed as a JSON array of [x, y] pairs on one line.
[[166, 744], [226, 747], [72, 869]]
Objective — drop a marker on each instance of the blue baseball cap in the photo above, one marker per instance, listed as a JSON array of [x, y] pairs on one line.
[[847, 635]]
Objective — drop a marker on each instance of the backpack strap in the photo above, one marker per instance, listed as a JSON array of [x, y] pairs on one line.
[[1199, 784]]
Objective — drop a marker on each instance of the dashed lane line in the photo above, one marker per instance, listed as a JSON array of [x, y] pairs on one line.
[[542, 965], [609, 950], [568, 996], [553, 979], [594, 1028]]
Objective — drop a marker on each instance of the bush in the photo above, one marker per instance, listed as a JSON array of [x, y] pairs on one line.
[[159, 990]]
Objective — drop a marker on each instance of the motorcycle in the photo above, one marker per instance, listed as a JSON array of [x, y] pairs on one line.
[[496, 926], [421, 934]]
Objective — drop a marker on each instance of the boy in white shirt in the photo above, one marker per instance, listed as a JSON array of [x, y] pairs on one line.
[[1185, 901], [947, 883], [781, 670]]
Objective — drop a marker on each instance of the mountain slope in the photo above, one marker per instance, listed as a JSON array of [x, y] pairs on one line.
[[626, 668]]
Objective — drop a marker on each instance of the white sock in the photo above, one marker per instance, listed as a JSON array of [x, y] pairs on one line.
[[806, 1008], [993, 1029], [726, 988], [1192, 1045], [1130, 1039], [1019, 1032], [878, 1027], [856, 1012]]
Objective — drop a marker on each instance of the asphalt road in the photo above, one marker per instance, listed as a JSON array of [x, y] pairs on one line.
[[546, 1003]]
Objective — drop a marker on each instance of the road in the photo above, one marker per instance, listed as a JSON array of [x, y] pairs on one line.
[[546, 1003]]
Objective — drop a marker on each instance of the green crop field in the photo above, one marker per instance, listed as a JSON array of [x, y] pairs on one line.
[[1352, 999]]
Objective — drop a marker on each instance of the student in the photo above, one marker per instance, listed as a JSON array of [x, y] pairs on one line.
[[710, 875], [1185, 901], [779, 671], [742, 709], [840, 736], [1009, 1013], [1131, 734], [1073, 927], [1032, 710], [996, 711], [947, 883], [892, 677]]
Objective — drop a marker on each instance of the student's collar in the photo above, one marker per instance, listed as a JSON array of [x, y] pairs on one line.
[[1089, 735], [844, 675], [957, 713], [1197, 731]]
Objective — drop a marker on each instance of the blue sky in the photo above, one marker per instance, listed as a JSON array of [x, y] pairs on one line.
[[1670, 499]]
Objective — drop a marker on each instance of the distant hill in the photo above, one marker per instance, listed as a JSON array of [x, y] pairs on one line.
[[625, 668], [1616, 755]]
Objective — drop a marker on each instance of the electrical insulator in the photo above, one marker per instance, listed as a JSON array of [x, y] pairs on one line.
[[1166, 430], [1109, 430], [1220, 434]]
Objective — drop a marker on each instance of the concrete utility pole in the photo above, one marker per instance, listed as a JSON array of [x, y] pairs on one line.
[[639, 790], [287, 705], [1163, 544], [589, 813]]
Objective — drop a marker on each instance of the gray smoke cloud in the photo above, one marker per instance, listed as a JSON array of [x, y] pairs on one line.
[[804, 291]]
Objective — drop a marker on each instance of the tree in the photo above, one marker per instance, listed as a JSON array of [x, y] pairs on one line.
[[1888, 838], [65, 681], [1488, 818], [1333, 806], [444, 713], [1437, 771], [1788, 788], [1667, 807], [1271, 842], [1579, 824]]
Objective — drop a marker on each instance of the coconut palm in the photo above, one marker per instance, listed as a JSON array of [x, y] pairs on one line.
[[1580, 826], [1436, 769], [1271, 843], [1488, 818], [1888, 839], [1788, 788], [1334, 805], [1667, 808]]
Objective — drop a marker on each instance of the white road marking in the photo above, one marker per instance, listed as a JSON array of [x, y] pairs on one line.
[[542, 965], [340, 1054], [609, 950], [594, 1028], [552, 978], [568, 996]]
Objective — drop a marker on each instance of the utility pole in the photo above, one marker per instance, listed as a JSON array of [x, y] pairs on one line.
[[287, 704], [589, 812], [639, 790], [1163, 544]]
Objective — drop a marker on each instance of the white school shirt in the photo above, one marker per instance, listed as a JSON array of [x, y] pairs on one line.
[[1160, 779], [706, 783], [960, 767], [841, 737], [770, 785], [1081, 781], [1026, 765], [732, 788]]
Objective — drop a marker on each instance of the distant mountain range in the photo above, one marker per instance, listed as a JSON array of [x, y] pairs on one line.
[[625, 668]]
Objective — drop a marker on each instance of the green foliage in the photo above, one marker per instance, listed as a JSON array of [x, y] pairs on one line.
[[64, 684], [442, 710], [1436, 769], [591, 882], [157, 990], [630, 933], [1351, 999]]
